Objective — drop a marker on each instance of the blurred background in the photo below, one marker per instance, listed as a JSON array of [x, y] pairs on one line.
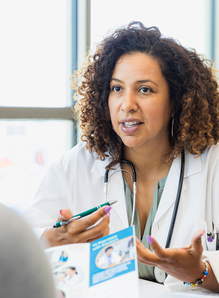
[[42, 43]]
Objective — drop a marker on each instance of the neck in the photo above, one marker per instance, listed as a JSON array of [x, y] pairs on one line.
[[148, 162]]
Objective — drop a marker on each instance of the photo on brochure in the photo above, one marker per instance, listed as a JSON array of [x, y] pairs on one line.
[[84, 270]]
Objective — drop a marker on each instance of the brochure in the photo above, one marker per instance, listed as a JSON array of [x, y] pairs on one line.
[[104, 268]]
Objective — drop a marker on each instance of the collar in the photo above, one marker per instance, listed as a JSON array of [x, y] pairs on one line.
[[193, 164]]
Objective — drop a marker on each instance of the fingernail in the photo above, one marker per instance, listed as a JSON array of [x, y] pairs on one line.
[[149, 239], [60, 211], [108, 214], [201, 235], [107, 209]]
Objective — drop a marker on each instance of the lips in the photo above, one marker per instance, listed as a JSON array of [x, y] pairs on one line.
[[130, 125]]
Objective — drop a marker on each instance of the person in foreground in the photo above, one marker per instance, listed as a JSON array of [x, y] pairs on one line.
[[24, 270], [146, 99]]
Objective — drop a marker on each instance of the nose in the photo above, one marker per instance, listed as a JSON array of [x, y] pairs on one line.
[[129, 103]]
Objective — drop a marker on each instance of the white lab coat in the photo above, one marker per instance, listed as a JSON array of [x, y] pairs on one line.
[[69, 281], [76, 182], [115, 259]]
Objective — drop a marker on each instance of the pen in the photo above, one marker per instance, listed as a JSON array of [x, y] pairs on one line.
[[83, 214]]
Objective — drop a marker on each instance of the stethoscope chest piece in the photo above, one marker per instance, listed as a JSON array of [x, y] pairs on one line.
[[159, 275]]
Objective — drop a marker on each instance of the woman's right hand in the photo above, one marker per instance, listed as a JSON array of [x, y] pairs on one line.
[[79, 231]]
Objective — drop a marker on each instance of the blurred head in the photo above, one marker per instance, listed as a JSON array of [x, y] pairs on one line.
[[193, 91], [108, 251], [70, 271]]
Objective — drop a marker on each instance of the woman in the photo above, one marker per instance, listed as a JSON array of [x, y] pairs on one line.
[[144, 98], [70, 278]]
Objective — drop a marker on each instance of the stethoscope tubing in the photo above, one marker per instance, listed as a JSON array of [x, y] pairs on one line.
[[176, 206], [106, 180]]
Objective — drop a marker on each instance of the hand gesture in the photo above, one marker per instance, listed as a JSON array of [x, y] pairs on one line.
[[183, 263]]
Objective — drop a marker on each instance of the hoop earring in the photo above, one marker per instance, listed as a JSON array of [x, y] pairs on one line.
[[172, 127]]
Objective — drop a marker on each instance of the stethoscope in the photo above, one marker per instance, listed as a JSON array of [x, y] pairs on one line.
[[178, 195], [159, 274], [106, 181]]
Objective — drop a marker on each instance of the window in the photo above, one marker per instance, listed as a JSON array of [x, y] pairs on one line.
[[38, 55], [185, 20], [42, 42]]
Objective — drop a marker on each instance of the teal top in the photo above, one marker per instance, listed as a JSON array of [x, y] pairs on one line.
[[145, 271]]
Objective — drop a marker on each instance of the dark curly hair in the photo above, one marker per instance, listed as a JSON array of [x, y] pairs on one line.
[[192, 89]]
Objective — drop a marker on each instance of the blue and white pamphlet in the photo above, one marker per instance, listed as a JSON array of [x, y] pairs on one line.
[[104, 268]]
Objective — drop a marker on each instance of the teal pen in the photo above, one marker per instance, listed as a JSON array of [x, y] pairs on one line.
[[83, 214]]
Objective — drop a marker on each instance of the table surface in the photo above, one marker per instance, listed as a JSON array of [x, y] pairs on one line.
[[149, 289], [153, 290]]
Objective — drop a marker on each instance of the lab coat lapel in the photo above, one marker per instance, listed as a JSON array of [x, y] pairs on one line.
[[118, 214], [170, 190], [193, 165]]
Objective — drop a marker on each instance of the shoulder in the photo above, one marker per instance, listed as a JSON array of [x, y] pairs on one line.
[[210, 157], [209, 153], [211, 161], [212, 152], [79, 156], [208, 160], [79, 150]]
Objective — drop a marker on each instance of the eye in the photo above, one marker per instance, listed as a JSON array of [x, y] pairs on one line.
[[116, 88], [145, 90]]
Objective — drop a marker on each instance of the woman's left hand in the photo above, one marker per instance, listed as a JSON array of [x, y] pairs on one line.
[[182, 263]]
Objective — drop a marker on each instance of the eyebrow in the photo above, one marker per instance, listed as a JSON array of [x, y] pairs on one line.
[[139, 81]]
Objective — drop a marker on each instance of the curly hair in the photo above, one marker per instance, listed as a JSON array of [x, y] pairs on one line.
[[193, 89]]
